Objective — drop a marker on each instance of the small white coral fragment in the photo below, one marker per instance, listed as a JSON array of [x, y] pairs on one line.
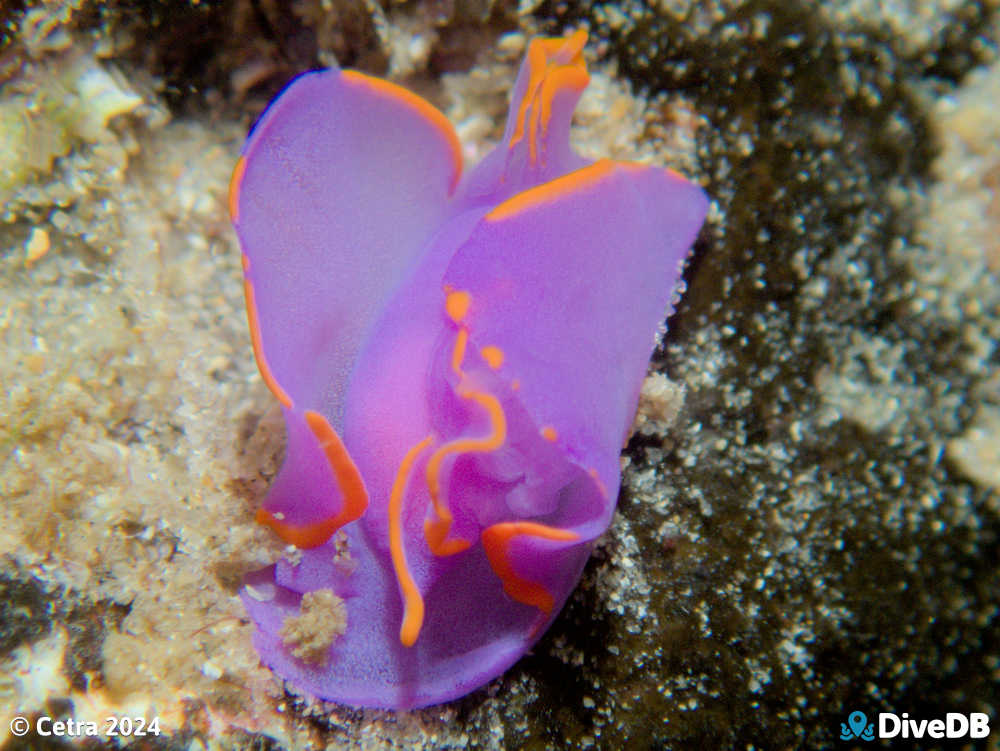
[[262, 594], [56, 113], [106, 97], [322, 618], [36, 246], [31, 676], [660, 402], [976, 454], [210, 670], [43, 29], [293, 555]]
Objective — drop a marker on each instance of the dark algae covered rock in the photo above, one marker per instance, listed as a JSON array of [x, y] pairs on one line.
[[808, 547]]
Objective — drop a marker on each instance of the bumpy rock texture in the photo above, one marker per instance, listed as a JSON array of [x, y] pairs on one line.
[[814, 531]]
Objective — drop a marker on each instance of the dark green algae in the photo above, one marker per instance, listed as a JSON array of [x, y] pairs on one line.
[[889, 606]]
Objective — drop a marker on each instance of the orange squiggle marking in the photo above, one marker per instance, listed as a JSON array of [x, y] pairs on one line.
[[553, 64], [303, 536], [496, 542], [258, 348], [574, 78], [234, 188], [456, 304], [348, 479], [436, 530], [493, 356], [352, 486], [553, 190], [413, 602], [549, 433], [536, 68], [421, 107], [597, 479], [458, 354]]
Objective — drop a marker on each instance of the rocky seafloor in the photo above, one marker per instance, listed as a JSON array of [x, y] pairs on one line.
[[811, 501]]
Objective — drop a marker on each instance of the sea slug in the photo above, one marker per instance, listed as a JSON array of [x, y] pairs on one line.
[[458, 358]]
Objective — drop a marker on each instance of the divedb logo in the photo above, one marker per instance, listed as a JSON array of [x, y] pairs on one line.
[[890, 725]]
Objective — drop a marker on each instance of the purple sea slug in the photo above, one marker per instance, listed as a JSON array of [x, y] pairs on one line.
[[458, 359]]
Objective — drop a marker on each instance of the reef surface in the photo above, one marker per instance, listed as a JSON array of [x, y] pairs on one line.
[[811, 503]]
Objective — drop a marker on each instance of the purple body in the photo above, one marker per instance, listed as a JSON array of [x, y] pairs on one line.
[[458, 359]]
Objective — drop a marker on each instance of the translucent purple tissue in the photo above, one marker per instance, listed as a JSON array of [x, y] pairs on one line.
[[458, 358]]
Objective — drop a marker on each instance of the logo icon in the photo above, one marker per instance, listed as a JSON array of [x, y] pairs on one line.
[[857, 726]]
